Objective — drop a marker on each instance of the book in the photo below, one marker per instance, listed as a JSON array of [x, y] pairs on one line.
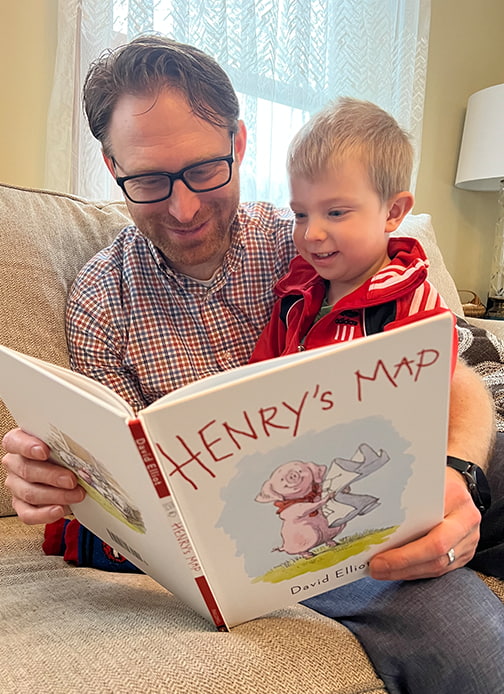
[[264, 485]]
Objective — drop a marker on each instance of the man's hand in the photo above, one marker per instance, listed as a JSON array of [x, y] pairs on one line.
[[428, 556], [41, 491]]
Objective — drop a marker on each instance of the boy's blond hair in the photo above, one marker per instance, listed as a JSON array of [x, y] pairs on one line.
[[359, 129]]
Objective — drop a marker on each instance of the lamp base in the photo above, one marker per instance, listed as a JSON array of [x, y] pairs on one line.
[[495, 308], [496, 292]]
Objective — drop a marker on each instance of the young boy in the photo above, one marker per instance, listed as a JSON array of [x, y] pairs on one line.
[[349, 169]]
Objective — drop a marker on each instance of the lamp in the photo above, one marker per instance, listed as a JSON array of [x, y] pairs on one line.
[[481, 167]]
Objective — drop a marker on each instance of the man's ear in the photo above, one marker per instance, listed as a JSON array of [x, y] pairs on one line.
[[109, 164], [240, 142], [398, 207]]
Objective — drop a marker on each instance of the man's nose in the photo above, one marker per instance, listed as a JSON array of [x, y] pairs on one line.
[[183, 204]]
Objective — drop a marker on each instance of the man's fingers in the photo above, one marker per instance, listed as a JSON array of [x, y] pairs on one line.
[[41, 491], [36, 515], [426, 557], [37, 494], [37, 472], [18, 441]]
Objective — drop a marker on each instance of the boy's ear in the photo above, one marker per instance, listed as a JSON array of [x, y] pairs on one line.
[[398, 207]]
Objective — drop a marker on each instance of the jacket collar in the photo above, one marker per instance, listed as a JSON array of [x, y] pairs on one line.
[[408, 267]]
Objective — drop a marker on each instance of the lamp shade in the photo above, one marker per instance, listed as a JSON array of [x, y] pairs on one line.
[[481, 158]]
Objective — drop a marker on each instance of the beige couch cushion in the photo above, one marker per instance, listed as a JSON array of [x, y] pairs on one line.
[[45, 238], [70, 631], [420, 227]]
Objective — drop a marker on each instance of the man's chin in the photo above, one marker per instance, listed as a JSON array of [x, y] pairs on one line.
[[183, 250], [197, 262]]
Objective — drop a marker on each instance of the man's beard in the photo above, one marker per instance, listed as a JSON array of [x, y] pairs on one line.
[[185, 254]]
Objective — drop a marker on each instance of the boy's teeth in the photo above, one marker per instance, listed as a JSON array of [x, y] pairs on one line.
[[323, 255]]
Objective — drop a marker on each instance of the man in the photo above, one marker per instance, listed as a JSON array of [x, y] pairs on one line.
[[186, 293]]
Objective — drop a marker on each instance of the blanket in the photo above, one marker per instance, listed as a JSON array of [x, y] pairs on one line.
[[484, 352]]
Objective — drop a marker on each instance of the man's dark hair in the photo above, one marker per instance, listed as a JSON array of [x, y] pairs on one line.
[[146, 65]]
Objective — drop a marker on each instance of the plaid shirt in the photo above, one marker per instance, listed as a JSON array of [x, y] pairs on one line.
[[143, 330]]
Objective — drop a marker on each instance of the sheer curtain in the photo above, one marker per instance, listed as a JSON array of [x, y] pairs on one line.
[[286, 59]]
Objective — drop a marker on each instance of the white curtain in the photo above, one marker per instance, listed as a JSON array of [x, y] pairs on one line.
[[286, 59]]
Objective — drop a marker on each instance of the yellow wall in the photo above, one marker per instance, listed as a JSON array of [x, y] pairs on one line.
[[466, 53], [28, 34]]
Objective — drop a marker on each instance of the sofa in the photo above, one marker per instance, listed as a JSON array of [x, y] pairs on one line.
[[68, 629]]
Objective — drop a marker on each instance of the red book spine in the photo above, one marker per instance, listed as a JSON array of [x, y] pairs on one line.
[[145, 450], [210, 602]]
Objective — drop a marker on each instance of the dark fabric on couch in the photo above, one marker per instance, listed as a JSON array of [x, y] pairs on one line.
[[489, 558], [485, 353], [495, 471]]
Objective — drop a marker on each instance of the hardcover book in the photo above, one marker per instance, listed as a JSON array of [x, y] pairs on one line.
[[260, 486]]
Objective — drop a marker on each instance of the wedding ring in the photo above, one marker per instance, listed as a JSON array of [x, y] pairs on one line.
[[451, 556]]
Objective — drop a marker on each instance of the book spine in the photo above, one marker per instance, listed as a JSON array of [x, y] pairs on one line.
[[149, 460], [211, 603], [186, 547], [178, 527]]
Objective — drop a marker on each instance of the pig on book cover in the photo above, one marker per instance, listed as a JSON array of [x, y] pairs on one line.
[[262, 486]]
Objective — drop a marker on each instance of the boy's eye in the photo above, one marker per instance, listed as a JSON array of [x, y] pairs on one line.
[[299, 216], [335, 213]]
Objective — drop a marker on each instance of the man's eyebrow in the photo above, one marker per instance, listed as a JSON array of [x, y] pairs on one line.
[[142, 172]]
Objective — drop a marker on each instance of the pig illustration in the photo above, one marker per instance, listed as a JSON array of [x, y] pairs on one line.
[[296, 489]]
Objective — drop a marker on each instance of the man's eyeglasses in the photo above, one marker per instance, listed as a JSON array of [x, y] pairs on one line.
[[199, 178]]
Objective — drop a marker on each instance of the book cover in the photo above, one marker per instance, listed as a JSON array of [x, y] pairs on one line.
[[264, 485]]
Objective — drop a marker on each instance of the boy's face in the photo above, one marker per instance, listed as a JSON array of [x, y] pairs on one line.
[[341, 226]]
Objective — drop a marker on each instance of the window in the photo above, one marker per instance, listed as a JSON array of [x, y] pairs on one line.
[[286, 59]]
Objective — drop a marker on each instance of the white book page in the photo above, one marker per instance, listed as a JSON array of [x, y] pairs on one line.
[[98, 390]]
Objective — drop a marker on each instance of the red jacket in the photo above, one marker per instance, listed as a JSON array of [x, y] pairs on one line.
[[397, 294]]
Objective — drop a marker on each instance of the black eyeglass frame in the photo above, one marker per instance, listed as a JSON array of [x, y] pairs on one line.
[[177, 176]]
